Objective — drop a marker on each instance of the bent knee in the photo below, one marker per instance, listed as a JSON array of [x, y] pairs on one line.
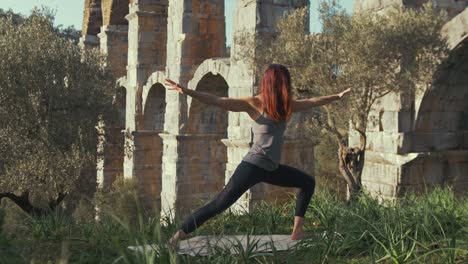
[[309, 184]]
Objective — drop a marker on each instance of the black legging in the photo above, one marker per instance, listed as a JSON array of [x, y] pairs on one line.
[[245, 176]]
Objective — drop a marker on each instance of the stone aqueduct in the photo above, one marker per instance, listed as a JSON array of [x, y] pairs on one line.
[[182, 152]]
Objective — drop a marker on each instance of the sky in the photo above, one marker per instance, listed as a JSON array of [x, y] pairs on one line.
[[70, 12]]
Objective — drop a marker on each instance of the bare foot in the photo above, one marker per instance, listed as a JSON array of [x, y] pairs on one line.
[[172, 243], [298, 231], [299, 235]]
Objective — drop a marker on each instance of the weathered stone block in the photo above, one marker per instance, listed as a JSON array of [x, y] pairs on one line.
[[439, 121], [354, 138], [388, 142], [393, 102], [381, 173], [380, 189], [393, 121], [436, 141]]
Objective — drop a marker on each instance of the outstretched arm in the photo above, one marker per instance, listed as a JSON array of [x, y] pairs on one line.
[[305, 104], [230, 104]]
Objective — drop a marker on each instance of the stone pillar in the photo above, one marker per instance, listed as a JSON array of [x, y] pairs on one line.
[[147, 35], [110, 163], [147, 157], [196, 32], [114, 43], [111, 37], [111, 140], [147, 30], [89, 41], [114, 35], [245, 20], [258, 19]]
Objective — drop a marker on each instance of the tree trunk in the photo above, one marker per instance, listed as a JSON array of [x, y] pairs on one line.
[[351, 160], [23, 202], [351, 164]]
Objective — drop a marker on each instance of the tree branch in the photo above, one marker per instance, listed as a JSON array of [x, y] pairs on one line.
[[23, 202], [330, 126], [363, 140]]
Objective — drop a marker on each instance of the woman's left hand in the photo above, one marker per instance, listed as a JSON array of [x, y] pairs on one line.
[[344, 92]]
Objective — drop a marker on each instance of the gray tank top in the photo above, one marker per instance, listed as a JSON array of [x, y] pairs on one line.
[[265, 151]]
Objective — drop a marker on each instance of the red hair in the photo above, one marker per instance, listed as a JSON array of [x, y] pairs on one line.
[[275, 92]]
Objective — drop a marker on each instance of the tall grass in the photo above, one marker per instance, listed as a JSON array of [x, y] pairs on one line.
[[429, 228]]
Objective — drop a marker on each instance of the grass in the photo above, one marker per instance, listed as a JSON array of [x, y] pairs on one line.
[[429, 228]]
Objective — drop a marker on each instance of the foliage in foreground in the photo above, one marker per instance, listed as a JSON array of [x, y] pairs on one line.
[[432, 228]]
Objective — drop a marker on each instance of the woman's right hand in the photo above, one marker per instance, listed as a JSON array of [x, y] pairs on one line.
[[175, 86]]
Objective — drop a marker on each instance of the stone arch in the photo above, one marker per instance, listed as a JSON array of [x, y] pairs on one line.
[[441, 121], [206, 127], [122, 82], [215, 66], [456, 30], [114, 12], [441, 111], [204, 119], [157, 77], [220, 66], [120, 102], [440, 136], [154, 108]]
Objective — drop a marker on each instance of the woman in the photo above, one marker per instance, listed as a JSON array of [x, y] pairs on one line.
[[270, 110]]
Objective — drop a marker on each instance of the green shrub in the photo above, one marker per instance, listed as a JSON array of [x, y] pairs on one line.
[[121, 200]]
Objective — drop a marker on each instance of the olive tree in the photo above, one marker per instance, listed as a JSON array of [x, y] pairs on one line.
[[52, 95], [374, 54]]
